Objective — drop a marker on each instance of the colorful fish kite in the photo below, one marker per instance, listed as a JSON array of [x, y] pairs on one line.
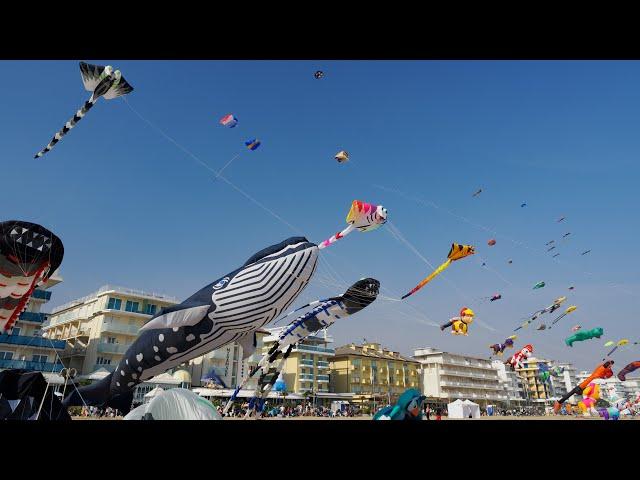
[[457, 252], [570, 309], [342, 156], [252, 144], [101, 82], [362, 216], [538, 285], [229, 121]]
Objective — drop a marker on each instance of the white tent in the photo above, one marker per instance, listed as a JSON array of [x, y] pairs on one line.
[[175, 404], [154, 393], [462, 409]]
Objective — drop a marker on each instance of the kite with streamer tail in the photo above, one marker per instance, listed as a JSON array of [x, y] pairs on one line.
[[570, 309], [551, 308], [457, 252], [29, 255], [362, 216], [358, 296], [619, 343], [101, 82]]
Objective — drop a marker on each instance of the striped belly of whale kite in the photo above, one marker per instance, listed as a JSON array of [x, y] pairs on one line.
[[230, 309]]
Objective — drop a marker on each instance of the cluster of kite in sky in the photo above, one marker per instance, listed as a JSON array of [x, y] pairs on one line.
[[225, 310]]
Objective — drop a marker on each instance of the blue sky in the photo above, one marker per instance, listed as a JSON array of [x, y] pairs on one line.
[[132, 209]]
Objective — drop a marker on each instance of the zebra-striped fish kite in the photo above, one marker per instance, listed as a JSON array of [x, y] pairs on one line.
[[230, 309], [362, 216], [358, 296], [101, 82], [457, 252]]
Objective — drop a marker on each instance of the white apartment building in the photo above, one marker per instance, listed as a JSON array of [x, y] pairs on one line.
[[449, 376], [100, 327], [25, 348], [511, 382]]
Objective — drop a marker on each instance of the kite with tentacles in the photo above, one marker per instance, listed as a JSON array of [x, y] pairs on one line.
[[101, 82], [616, 345], [360, 295], [362, 216], [29, 255], [457, 252], [570, 309]]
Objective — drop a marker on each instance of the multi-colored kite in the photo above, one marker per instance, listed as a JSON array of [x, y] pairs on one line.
[[570, 309], [229, 121], [101, 82], [342, 156], [602, 371], [457, 252], [362, 216], [253, 144], [29, 255], [633, 366], [459, 325], [619, 343], [499, 348], [550, 309]]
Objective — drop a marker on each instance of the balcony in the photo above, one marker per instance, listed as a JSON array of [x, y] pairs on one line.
[[33, 317], [306, 363], [322, 364], [123, 329], [104, 347], [306, 377], [41, 294], [481, 386], [322, 378], [32, 341], [27, 365], [77, 350]]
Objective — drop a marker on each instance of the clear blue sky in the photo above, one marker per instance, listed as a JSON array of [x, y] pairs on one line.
[[134, 210]]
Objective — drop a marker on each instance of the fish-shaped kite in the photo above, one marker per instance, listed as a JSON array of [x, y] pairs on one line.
[[362, 216]]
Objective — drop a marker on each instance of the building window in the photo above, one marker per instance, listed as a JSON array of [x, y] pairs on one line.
[[15, 331], [111, 340], [39, 358], [131, 306], [6, 355], [114, 303], [150, 309]]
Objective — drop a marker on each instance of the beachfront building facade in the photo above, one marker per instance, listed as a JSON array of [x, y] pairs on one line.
[[100, 327], [537, 391], [512, 384], [25, 347], [372, 373], [449, 376]]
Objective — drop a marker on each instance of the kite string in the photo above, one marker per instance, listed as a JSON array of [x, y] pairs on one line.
[[217, 173]]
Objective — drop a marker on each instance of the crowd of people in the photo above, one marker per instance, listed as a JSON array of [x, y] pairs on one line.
[[292, 410]]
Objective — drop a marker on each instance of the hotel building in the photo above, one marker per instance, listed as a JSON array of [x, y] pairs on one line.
[[449, 376], [25, 348], [371, 372], [100, 327]]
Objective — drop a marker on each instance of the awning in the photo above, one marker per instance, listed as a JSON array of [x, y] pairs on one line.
[[227, 392]]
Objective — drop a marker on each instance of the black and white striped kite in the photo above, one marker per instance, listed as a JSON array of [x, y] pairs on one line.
[[101, 82]]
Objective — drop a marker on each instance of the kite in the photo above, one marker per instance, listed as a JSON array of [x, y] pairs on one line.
[[620, 343], [550, 248], [557, 371], [175, 404], [29, 255], [459, 325], [622, 375], [591, 394], [319, 74], [564, 314], [551, 308], [457, 252], [575, 328], [360, 295], [229, 121], [560, 219], [230, 309], [253, 144], [408, 407], [523, 205], [585, 252], [571, 287], [342, 156], [543, 372], [556, 255], [542, 326], [602, 371], [362, 216], [549, 243], [101, 82], [491, 242], [477, 193], [538, 285], [510, 261], [499, 348], [517, 360], [497, 296], [584, 335], [566, 234]]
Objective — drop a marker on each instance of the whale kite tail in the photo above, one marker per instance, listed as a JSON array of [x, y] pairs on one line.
[[97, 395]]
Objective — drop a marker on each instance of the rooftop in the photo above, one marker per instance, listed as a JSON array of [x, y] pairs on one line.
[[372, 350]]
